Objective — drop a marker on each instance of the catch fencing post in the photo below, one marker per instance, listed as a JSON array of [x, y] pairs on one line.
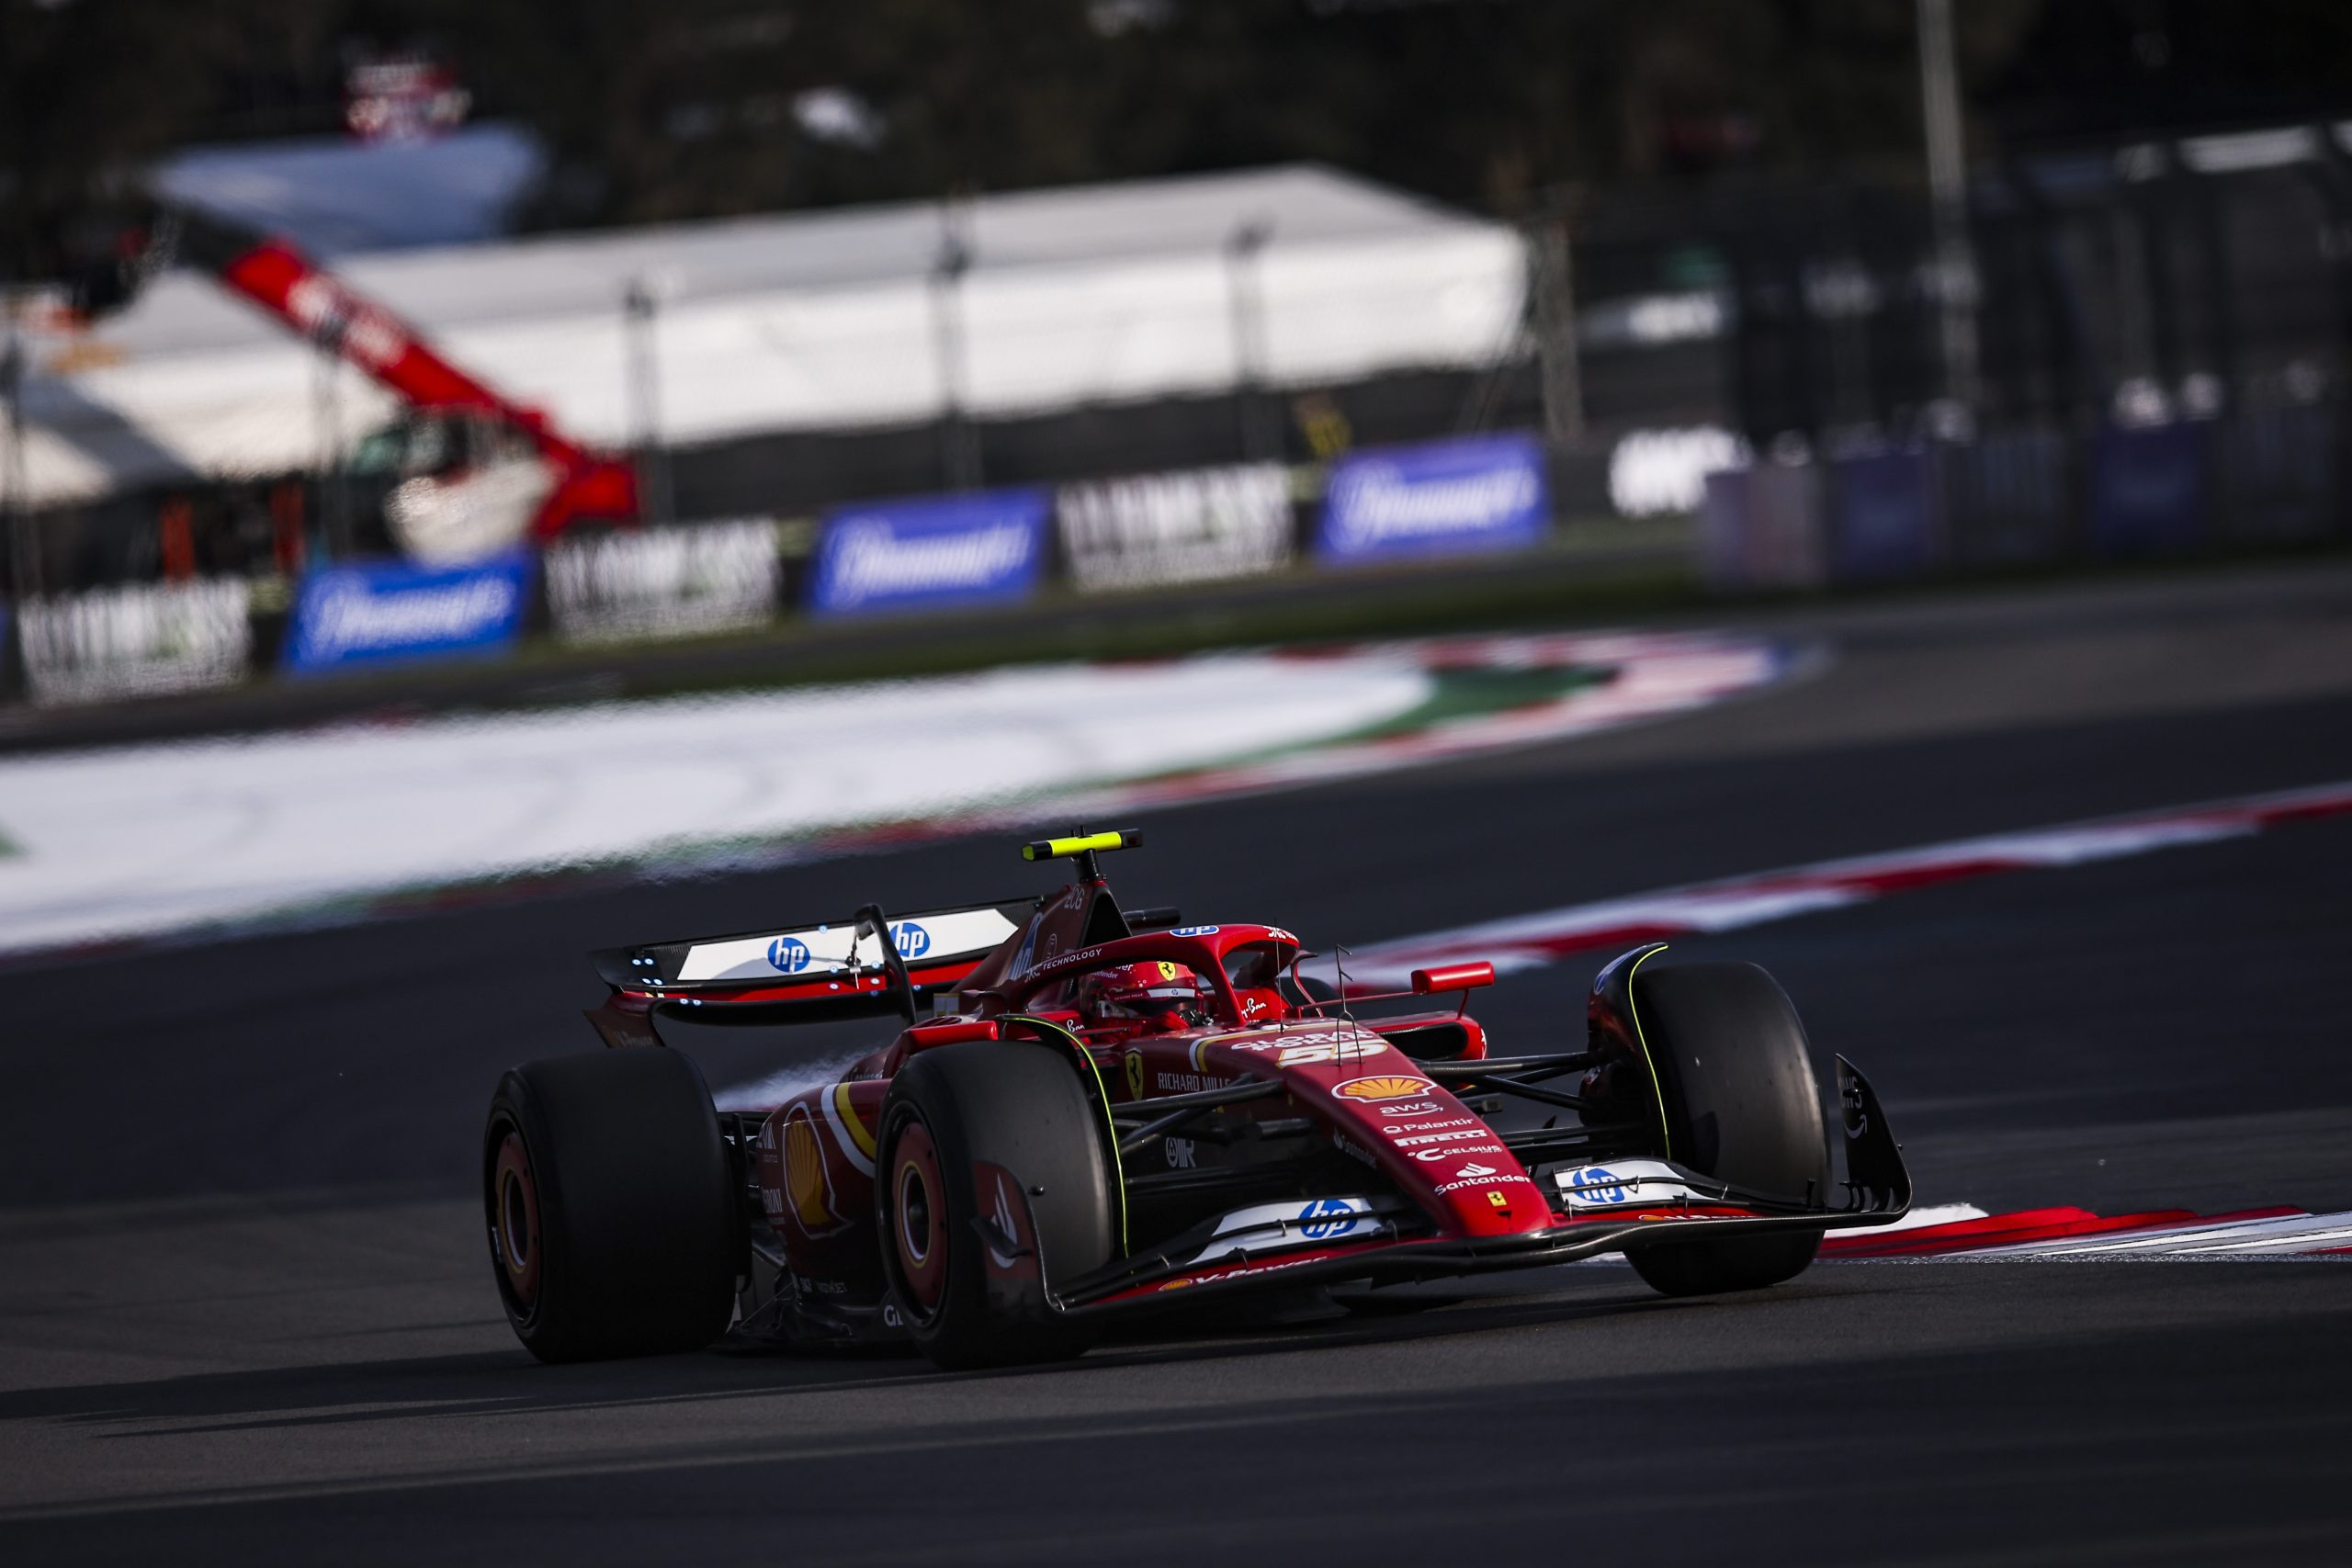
[[1245, 298], [1555, 316], [24, 562], [1947, 184], [640, 307], [959, 454]]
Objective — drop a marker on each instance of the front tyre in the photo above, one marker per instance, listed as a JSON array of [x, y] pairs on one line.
[[1016, 1105], [612, 1211], [1735, 1076]]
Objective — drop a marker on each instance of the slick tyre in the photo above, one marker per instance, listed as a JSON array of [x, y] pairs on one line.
[[1020, 1106], [1735, 1078], [612, 1222]]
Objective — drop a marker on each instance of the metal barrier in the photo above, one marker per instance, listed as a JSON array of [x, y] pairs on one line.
[[2260, 477], [2009, 498], [2265, 476]]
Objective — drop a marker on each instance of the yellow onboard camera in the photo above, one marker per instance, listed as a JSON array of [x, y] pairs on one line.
[[1082, 845]]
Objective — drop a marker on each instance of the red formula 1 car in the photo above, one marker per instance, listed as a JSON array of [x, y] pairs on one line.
[[1122, 1114]]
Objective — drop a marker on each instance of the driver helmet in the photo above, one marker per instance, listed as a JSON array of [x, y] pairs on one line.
[[1146, 990]]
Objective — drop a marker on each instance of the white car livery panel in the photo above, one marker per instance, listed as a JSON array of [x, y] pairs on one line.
[[1622, 1184], [817, 949], [1314, 1222]]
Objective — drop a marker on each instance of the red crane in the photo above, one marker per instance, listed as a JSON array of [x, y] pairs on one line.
[[585, 485]]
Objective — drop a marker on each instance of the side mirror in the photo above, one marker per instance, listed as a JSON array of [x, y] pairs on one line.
[[1452, 977]]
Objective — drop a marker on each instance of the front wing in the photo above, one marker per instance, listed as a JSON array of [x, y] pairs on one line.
[[1878, 1190]]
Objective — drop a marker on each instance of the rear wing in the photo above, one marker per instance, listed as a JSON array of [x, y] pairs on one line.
[[865, 964]]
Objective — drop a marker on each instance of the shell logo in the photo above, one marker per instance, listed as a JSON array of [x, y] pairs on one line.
[[1386, 1086], [805, 1181]]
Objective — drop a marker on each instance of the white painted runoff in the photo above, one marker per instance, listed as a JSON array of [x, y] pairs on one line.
[[143, 840]]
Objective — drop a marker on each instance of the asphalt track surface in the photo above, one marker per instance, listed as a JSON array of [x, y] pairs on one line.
[[245, 1314]]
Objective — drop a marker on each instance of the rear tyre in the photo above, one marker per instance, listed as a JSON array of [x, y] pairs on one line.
[[1735, 1075], [1017, 1105], [612, 1222]]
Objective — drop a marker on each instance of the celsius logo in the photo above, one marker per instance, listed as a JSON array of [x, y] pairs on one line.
[[1325, 1218], [788, 953], [910, 939]]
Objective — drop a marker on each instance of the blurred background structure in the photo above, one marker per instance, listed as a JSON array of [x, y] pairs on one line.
[[1841, 289], [1850, 485]]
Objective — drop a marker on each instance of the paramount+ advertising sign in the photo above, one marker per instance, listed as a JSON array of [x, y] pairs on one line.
[[1478, 494], [937, 553], [384, 612]]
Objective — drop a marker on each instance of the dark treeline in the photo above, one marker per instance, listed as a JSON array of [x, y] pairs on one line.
[[658, 110]]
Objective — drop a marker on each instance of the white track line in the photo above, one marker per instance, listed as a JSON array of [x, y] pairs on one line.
[[2300, 1233], [1535, 941]]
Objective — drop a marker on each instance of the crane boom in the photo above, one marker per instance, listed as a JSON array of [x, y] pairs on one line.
[[323, 309]]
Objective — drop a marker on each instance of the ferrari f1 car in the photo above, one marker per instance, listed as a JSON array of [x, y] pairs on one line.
[[1091, 1113]]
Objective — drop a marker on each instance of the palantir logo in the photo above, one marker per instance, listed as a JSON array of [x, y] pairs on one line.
[[1325, 1218], [788, 953], [910, 939]]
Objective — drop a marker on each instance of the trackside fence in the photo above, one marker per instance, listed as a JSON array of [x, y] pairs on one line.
[[2023, 497], [1862, 512]]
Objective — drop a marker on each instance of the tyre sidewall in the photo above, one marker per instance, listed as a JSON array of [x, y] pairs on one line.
[[640, 1230], [1740, 1104], [1020, 1106]]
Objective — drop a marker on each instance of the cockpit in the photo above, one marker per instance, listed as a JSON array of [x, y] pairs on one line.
[[1127, 996]]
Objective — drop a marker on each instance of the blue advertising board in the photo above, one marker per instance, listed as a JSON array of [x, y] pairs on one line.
[[2148, 488], [1885, 516], [940, 552], [389, 612], [1484, 492]]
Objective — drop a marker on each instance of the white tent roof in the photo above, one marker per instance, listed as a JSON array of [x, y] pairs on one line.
[[1076, 296], [333, 196]]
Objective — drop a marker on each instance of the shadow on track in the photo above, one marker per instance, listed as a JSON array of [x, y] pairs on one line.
[[1649, 1435], [508, 1383]]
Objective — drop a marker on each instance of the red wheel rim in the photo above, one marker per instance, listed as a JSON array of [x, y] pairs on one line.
[[919, 1217], [515, 1220]]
